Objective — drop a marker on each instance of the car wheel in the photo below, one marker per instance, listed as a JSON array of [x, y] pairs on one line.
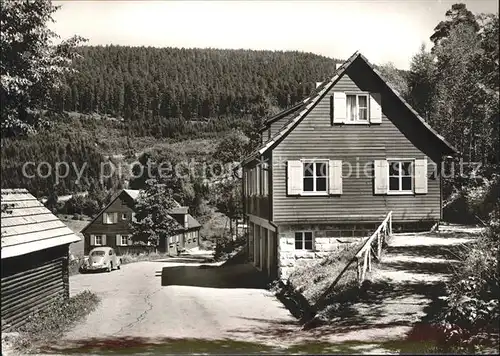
[[110, 267]]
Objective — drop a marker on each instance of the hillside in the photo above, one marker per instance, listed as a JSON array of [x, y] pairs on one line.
[[148, 85]]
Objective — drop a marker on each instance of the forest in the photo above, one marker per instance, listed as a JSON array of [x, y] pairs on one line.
[[147, 85]]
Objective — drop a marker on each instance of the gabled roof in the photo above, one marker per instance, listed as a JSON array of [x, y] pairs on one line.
[[133, 194], [309, 103], [281, 115], [192, 222], [177, 209], [28, 226]]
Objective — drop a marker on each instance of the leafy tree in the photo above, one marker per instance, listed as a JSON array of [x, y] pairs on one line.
[[52, 199], [30, 65], [152, 207], [458, 14], [422, 82], [227, 199], [232, 147], [395, 78]]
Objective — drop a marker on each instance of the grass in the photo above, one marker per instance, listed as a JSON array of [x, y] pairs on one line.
[[144, 346], [152, 256], [313, 277], [50, 324]]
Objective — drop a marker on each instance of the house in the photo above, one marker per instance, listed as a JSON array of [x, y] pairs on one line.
[[35, 249], [111, 227], [331, 167]]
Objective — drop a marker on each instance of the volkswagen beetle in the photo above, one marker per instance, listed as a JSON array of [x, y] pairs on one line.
[[101, 258]]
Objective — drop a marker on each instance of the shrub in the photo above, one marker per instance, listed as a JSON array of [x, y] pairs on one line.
[[470, 320], [49, 324], [225, 246], [313, 277]]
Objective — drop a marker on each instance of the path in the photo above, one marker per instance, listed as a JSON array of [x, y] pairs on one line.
[[414, 269], [139, 307]]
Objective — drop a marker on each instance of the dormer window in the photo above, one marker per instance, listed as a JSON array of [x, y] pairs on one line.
[[357, 107]]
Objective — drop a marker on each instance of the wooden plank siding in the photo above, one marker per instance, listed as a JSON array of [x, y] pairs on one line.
[[123, 204], [97, 227], [316, 138], [32, 282]]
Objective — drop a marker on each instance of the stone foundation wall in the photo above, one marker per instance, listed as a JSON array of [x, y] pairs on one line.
[[326, 239]]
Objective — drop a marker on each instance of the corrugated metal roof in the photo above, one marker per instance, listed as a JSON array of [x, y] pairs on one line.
[[28, 226], [311, 101]]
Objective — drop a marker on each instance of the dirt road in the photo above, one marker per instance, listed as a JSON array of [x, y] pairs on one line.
[[134, 304]]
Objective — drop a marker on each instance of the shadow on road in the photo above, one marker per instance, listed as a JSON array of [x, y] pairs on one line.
[[242, 275]]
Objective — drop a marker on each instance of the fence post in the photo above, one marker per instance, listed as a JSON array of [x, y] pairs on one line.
[[390, 223], [369, 253], [358, 267], [379, 245]]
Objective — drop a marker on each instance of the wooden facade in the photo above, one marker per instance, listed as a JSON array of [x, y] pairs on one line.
[[356, 191], [35, 248], [116, 231]]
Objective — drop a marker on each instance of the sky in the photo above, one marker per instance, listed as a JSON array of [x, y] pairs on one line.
[[383, 30]]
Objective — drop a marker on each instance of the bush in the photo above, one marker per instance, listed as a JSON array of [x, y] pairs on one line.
[[313, 277], [225, 246], [470, 320], [49, 324]]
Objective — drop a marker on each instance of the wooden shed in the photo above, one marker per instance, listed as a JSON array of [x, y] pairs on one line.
[[34, 250]]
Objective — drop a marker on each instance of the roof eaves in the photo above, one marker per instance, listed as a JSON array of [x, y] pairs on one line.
[[414, 112], [308, 104]]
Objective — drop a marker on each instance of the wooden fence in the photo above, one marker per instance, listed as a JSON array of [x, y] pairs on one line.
[[363, 258], [373, 246]]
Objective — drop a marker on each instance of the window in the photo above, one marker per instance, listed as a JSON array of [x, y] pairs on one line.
[[98, 240], [400, 176], [109, 218], [357, 107], [124, 216], [315, 177], [123, 240], [304, 241], [265, 179], [258, 177]]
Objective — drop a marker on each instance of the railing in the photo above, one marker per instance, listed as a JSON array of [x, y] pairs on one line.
[[373, 245], [363, 255]]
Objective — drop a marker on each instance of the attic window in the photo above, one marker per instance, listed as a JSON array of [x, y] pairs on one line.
[[357, 107]]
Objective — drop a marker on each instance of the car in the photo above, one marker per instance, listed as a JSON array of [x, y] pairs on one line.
[[101, 258]]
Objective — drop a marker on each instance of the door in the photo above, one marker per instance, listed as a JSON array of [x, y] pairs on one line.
[[264, 249]]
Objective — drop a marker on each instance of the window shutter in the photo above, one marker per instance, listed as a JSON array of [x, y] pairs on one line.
[[104, 216], [129, 239], [375, 108], [92, 240], [331, 110], [115, 218], [294, 179], [118, 240], [381, 174], [335, 175], [339, 107], [104, 240], [421, 176]]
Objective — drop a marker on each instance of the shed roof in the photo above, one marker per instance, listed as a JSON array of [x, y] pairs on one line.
[[310, 102], [28, 226]]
